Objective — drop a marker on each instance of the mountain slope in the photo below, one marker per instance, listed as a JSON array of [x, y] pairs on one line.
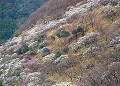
[[79, 49], [53, 9]]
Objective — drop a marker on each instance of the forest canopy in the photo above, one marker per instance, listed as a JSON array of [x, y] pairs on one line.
[[13, 13]]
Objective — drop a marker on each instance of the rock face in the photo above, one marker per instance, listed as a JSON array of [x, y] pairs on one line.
[[45, 52]]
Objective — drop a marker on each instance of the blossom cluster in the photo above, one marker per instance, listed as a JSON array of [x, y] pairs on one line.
[[33, 64]]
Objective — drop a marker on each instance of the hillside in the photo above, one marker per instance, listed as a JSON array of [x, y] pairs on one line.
[[80, 48], [53, 9]]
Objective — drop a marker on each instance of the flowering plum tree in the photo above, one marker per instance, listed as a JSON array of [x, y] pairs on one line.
[[33, 64]]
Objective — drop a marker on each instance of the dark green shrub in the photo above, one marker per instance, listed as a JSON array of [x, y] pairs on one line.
[[65, 50], [63, 34], [19, 51], [58, 35], [33, 53], [74, 32], [31, 49], [17, 34], [57, 55], [39, 39], [18, 74], [22, 50], [79, 29], [53, 37]]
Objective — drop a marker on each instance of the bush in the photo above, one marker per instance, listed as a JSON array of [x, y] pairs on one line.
[[74, 32], [63, 34], [31, 49], [53, 37], [58, 35], [32, 52], [22, 50], [79, 29], [39, 39], [65, 50], [19, 51], [17, 34], [17, 74], [58, 54]]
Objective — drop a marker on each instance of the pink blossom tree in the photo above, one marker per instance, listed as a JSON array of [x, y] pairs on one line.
[[33, 64]]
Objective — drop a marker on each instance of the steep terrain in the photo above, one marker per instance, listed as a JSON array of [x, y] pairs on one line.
[[81, 48], [53, 9]]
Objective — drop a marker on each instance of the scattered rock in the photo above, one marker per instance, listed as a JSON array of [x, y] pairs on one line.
[[45, 52], [85, 66], [91, 65]]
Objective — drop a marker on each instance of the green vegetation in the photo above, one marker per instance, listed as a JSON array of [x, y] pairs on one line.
[[39, 39], [13, 14], [57, 55], [22, 50], [65, 50], [63, 34], [18, 74], [79, 29], [32, 52], [53, 37]]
